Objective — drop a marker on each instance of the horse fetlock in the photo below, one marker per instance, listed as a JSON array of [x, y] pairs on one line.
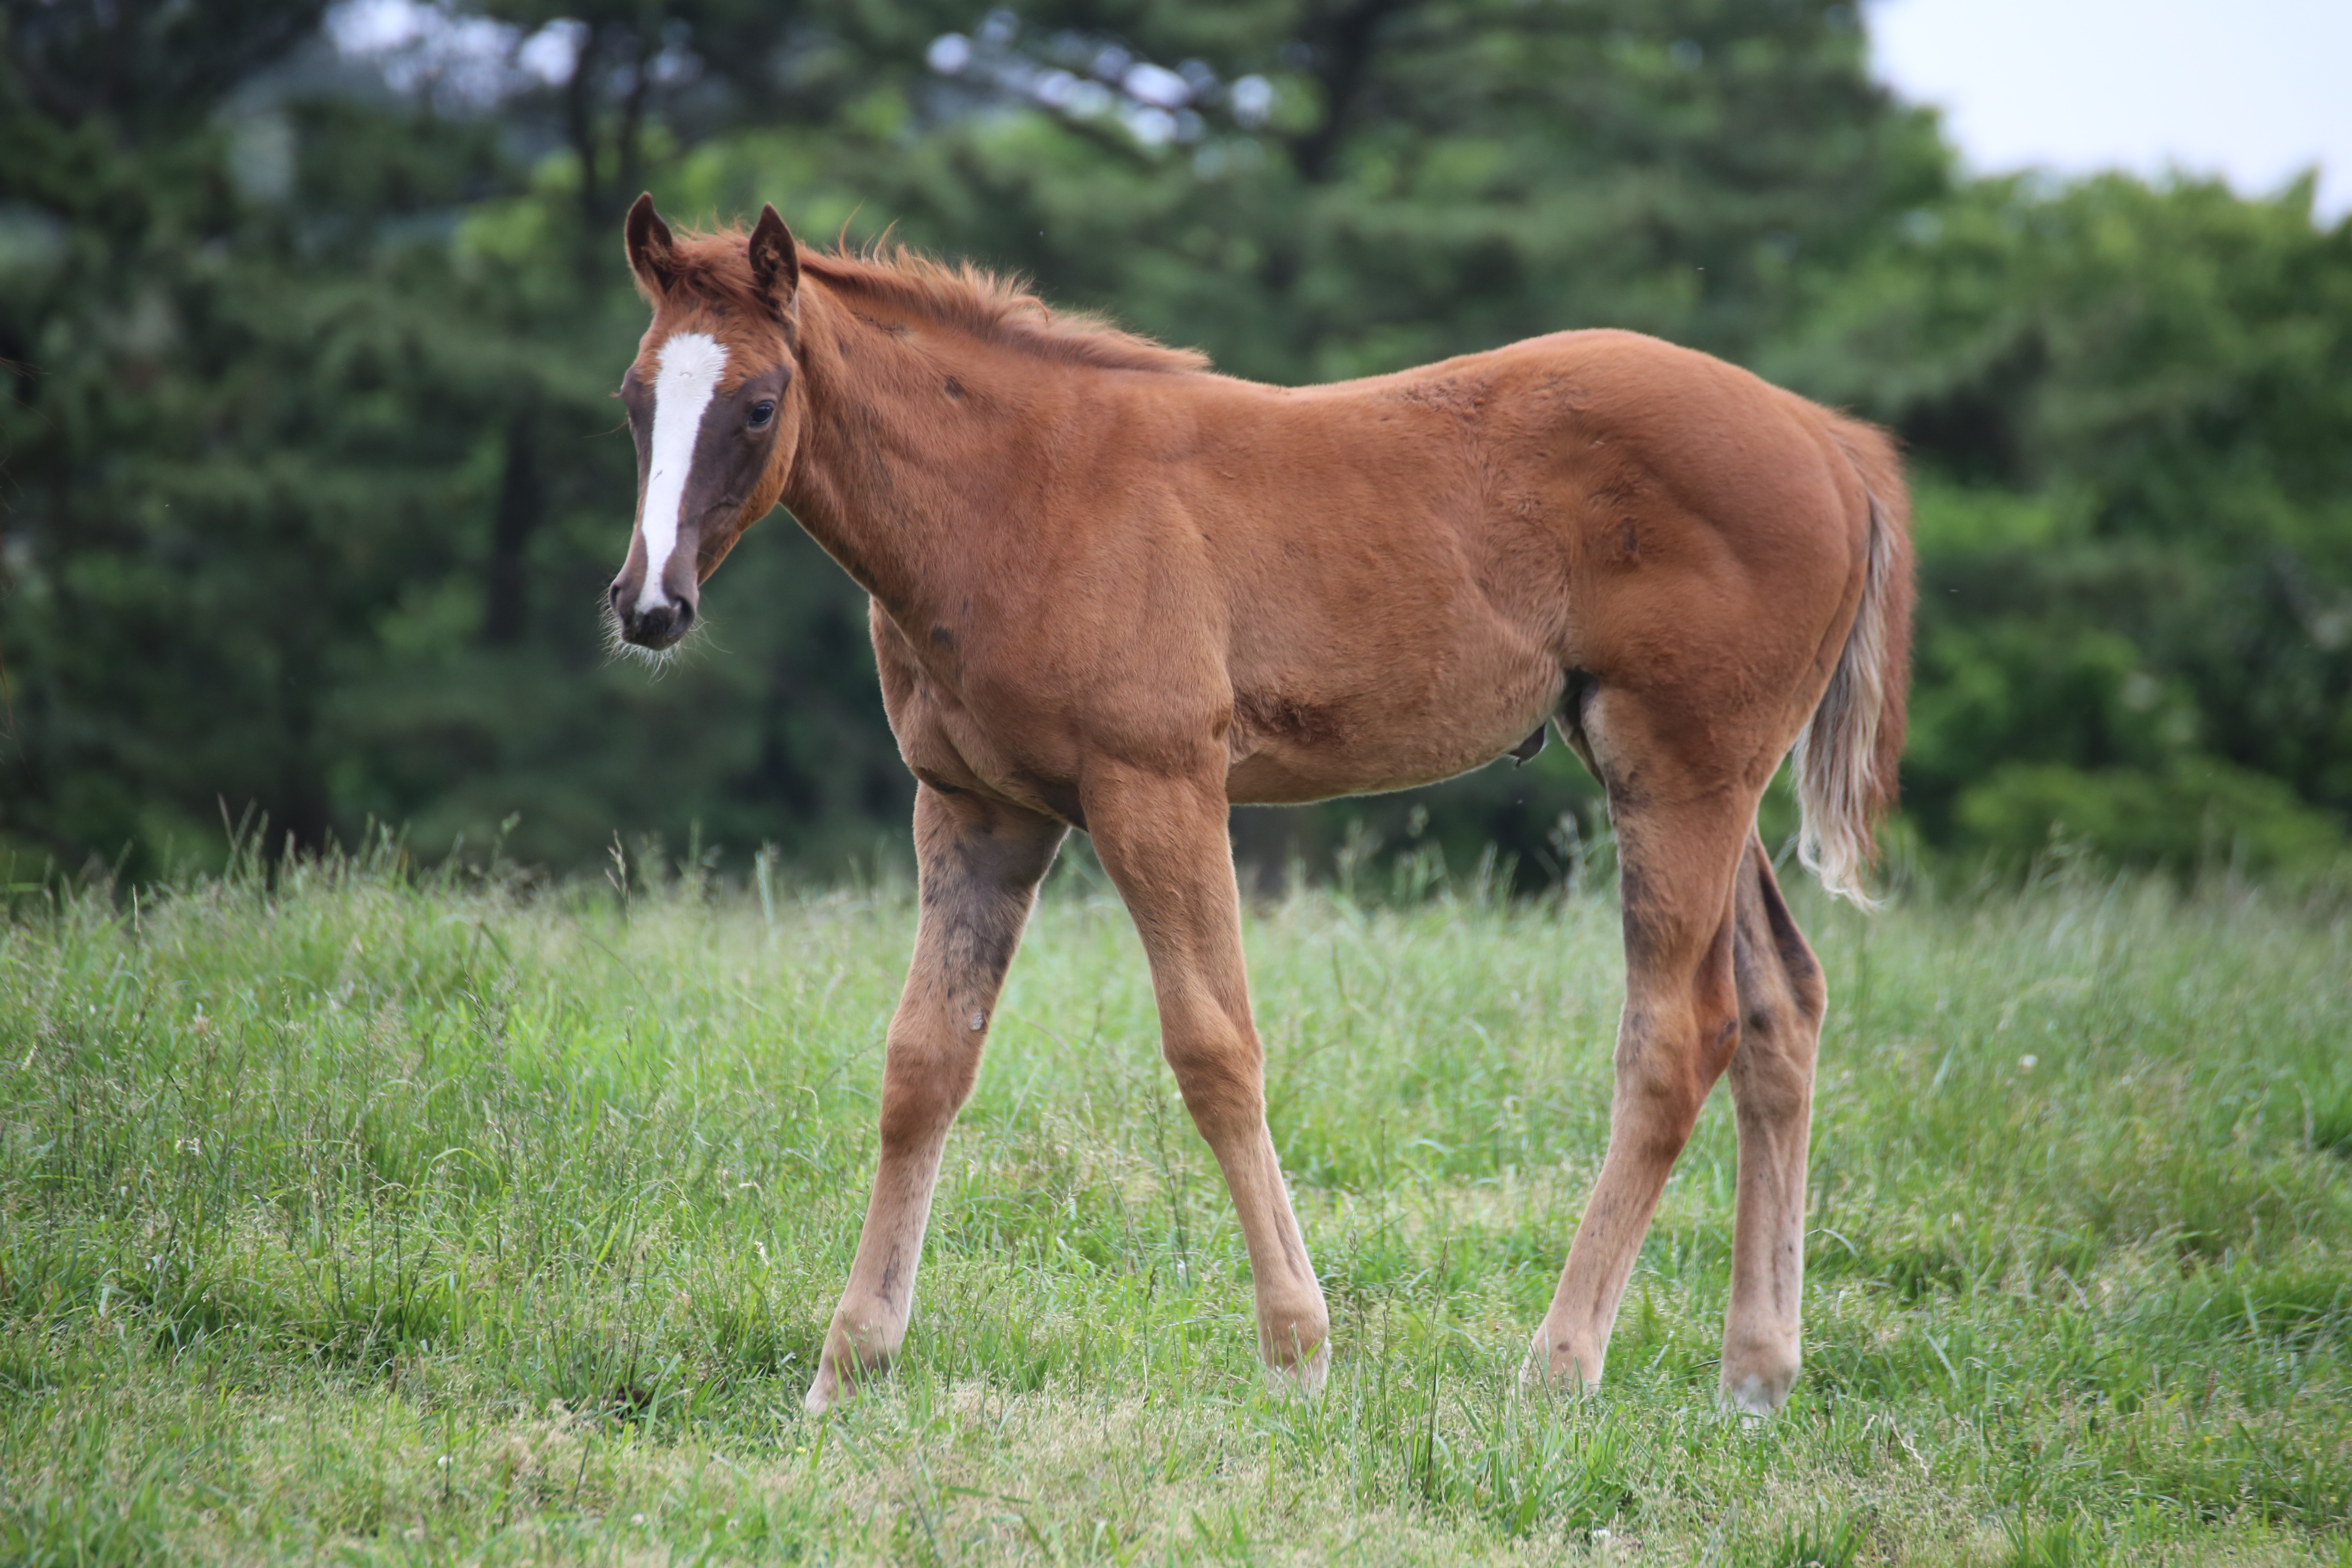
[[857, 1352], [1563, 1362], [1295, 1338], [870, 1345]]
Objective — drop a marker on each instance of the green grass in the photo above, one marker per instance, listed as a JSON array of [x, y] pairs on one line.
[[366, 1220]]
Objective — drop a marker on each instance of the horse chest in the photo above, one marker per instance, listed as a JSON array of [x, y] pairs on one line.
[[949, 748]]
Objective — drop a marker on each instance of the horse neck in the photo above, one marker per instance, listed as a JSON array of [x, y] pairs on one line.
[[902, 488]]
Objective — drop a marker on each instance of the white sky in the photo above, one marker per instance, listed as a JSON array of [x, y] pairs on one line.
[[2255, 90]]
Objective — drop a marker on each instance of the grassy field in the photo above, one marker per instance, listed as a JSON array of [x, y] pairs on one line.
[[369, 1221]]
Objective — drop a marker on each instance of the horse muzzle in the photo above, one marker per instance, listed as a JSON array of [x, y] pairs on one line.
[[653, 626]]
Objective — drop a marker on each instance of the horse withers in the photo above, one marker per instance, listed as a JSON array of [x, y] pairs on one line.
[[1116, 591]]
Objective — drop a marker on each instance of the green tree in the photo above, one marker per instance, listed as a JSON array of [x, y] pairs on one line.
[[314, 481], [2137, 611], [315, 478], [305, 459]]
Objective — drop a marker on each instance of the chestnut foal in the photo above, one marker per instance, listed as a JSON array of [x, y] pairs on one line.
[[1114, 590]]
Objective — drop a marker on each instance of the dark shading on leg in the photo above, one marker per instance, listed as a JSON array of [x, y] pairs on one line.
[[1782, 1001], [1679, 1030], [980, 862]]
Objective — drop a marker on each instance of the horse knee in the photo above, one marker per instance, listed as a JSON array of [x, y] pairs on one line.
[[1772, 956], [1772, 1085], [1772, 1075], [1662, 1086], [920, 1096], [1220, 1076], [1792, 1010], [1694, 1037], [1782, 998]]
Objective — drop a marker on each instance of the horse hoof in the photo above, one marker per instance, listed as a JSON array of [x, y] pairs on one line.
[[1303, 1379], [1753, 1397]]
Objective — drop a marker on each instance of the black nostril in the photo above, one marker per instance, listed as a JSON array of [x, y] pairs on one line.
[[656, 626]]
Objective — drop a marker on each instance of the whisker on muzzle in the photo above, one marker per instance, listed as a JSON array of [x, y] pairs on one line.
[[618, 645]]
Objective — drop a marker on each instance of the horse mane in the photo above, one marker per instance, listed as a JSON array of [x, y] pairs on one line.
[[989, 306]]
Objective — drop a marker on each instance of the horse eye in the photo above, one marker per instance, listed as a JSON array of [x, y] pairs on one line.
[[761, 412]]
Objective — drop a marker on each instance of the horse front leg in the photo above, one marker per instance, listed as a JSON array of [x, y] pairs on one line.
[[979, 862], [1164, 840]]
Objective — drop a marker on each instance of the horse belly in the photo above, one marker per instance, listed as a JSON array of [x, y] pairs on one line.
[[1289, 748]]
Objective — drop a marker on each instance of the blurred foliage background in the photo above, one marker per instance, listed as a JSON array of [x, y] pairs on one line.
[[310, 477]]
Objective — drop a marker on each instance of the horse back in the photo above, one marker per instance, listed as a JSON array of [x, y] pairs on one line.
[[1409, 567]]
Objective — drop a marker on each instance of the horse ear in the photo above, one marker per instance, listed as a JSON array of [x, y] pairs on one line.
[[776, 264], [653, 254]]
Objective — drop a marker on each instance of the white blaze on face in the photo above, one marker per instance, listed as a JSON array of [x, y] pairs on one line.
[[691, 364]]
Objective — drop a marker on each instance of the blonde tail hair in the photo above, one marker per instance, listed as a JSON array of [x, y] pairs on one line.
[[1846, 756]]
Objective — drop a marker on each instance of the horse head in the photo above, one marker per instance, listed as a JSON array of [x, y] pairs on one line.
[[714, 406]]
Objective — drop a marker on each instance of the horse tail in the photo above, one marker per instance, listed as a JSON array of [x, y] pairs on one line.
[[1846, 756]]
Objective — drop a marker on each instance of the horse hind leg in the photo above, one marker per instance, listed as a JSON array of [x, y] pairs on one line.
[[1782, 1001], [1681, 826]]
